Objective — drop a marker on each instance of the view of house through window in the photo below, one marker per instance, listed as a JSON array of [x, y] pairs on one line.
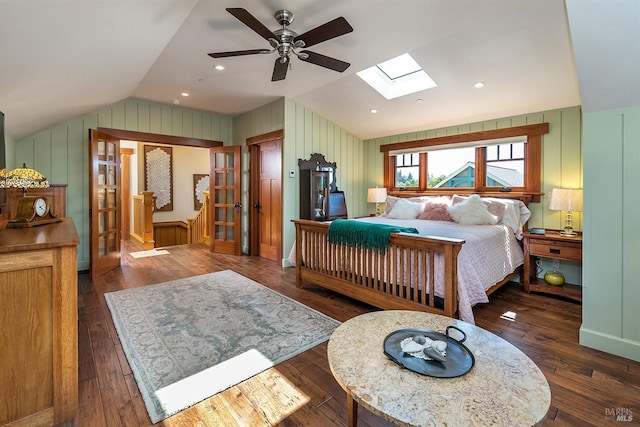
[[456, 167], [484, 162], [505, 165], [453, 167]]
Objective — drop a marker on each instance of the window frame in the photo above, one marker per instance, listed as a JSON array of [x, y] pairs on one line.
[[419, 177], [531, 134]]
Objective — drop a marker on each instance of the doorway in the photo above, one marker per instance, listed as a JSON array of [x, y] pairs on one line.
[[118, 134], [265, 195]]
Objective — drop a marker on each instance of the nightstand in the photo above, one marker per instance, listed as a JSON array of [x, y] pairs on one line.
[[555, 246]]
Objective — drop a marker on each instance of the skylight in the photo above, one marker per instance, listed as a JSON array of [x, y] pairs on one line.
[[397, 77]]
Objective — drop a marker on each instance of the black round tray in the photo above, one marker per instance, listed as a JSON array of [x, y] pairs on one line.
[[458, 362]]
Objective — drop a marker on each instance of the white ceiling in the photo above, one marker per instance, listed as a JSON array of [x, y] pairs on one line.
[[62, 59]]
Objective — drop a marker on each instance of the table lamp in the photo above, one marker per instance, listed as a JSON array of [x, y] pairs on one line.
[[566, 199], [377, 196], [25, 178]]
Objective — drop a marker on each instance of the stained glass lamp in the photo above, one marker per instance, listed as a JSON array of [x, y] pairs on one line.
[[25, 178]]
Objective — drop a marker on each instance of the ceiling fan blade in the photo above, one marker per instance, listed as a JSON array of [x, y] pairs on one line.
[[331, 29], [280, 70], [325, 61], [250, 21], [237, 53]]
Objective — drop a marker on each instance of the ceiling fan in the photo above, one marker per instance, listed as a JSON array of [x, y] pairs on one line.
[[286, 42]]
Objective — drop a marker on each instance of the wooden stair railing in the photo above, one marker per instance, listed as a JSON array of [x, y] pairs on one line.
[[198, 227], [143, 207]]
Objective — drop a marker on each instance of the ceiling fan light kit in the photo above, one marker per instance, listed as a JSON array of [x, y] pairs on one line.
[[287, 42]]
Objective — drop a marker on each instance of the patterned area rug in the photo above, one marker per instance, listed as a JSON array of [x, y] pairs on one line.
[[189, 339]]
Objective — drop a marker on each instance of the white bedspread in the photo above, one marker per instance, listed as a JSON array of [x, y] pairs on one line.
[[491, 252]]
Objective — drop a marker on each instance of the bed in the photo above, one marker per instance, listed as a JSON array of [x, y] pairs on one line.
[[447, 268]]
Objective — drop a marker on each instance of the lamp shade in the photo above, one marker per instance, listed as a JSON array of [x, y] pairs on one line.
[[566, 199], [376, 195], [25, 178]]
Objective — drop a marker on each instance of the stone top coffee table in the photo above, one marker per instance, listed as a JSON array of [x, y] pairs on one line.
[[504, 387]]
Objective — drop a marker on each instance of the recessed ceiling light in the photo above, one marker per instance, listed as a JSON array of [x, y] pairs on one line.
[[373, 111], [219, 67], [185, 94], [419, 100], [478, 85]]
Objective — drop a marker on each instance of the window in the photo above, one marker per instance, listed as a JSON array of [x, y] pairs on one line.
[[505, 165], [453, 167], [481, 162], [407, 170]]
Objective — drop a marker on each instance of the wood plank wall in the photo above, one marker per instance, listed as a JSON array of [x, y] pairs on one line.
[[306, 132], [61, 152], [611, 296]]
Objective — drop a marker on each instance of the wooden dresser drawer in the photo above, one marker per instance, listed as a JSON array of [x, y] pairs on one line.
[[560, 250]]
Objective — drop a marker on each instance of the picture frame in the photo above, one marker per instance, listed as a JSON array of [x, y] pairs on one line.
[[158, 175], [200, 185]]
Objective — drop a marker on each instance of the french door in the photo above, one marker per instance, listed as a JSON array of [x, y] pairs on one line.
[[104, 196], [225, 198]]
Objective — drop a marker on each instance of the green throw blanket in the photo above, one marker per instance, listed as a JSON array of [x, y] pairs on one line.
[[365, 235]]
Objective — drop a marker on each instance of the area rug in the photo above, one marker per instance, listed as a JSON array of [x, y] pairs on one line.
[[189, 339]]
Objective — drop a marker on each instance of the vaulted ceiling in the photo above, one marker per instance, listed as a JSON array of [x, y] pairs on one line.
[[62, 59]]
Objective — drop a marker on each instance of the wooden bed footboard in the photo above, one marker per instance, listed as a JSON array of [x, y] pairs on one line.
[[405, 277]]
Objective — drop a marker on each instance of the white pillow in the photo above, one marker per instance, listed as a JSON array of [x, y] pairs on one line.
[[404, 209], [472, 211], [516, 214]]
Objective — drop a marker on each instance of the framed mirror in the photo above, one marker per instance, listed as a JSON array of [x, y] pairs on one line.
[[317, 162]]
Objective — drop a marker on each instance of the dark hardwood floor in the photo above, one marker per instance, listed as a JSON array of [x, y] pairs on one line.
[[587, 386]]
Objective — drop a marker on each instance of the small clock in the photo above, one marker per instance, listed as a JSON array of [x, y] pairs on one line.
[[41, 206], [32, 211]]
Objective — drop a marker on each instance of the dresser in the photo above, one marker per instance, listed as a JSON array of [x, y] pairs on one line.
[[39, 324]]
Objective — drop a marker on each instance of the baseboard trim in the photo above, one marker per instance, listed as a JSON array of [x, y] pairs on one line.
[[610, 344]]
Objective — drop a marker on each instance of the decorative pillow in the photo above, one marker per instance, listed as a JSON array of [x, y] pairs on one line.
[[472, 211], [435, 212], [390, 202], [495, 206], [404, 209], [457, 199], [515, 215]]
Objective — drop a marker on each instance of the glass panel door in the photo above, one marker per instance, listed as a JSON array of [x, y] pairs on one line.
[[226, 199], [105, 203]]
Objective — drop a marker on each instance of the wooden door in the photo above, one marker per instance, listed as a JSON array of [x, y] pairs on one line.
[[225, 213], [265, 195], [104, 195], [270, 201]]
